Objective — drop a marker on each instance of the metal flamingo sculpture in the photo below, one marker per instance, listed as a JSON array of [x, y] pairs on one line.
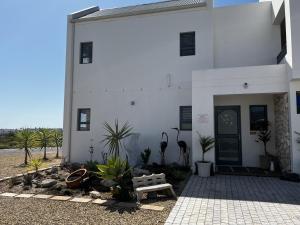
[[182, 147], [163, 147]]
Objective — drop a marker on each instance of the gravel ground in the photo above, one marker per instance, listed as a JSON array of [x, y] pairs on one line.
[[40, 211], [11, 161]]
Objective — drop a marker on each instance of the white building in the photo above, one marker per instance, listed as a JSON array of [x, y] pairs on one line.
[[186, 64]]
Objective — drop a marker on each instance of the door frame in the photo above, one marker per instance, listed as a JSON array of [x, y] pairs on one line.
[[237, 108]]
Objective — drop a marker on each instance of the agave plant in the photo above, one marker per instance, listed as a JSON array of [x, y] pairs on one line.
[[118, 171], [207, 143], [114, 136], [25, 140]]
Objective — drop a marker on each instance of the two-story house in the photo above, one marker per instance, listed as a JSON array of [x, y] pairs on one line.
[[186, 64]]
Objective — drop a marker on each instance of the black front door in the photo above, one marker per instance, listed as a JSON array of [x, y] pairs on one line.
[[228, 135]]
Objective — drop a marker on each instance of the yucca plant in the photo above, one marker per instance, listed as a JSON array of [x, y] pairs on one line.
[[118, 171], [36, 164], [57, 138], [206, 143], [264, 135], [25, 140], [42, 139], [114, 136]]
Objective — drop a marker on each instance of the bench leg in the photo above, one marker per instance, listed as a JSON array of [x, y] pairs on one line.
[[139, 196], [173, 192]]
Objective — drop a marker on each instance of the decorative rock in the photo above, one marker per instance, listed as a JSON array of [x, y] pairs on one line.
[[35, 181], [95, 194], [48, 183], [54, 170], [26, 187], [54, 176], [104, 202], [66, 192], [107, 183]]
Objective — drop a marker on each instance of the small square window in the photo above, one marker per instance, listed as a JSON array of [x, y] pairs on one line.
[[187, 44], [185, 117], [84, 116], [86, 52], [258, 117], [298, 101]]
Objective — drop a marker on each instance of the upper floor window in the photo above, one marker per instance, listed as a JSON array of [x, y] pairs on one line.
[[258, 117], [298, 101], [83, 123], [86, 52], [185, 117], [187, 43], [283, 41]]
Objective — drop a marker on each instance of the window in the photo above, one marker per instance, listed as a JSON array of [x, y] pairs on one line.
[[283, 42], [84, 116], [187, 43], [298, 101], [86, 52], [185, 117], [258, 117]]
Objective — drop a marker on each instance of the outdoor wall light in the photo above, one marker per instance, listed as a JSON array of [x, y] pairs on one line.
[[245, 85], [132, 103]]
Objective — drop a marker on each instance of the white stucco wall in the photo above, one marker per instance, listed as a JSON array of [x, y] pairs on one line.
[[229, 81], [134, 58], [245, 36]]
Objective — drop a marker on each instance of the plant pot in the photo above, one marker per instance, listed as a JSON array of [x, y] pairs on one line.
[[264, 162], [74, 179], [204, 169]]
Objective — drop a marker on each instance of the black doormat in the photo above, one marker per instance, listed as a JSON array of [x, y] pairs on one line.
[[245, 171]]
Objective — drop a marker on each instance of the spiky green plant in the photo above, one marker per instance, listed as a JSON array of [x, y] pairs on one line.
[[119, 171], [206, 143], [25, 140], [57, 137], [42, 139], [264, 135], [114, 136]]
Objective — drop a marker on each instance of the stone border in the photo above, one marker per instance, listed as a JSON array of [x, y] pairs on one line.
[[29, 172], [83, 200]]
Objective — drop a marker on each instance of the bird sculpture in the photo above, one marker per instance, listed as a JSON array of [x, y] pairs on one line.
[[163, 146], [182, 148]]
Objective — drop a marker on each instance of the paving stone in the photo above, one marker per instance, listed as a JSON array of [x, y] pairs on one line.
[[81, 200], [61, 198], [104, 202], [7, 194], [24, 196], [152, 207], [42, 196]]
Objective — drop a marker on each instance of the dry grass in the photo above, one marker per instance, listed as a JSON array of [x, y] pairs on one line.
[[11, 161]]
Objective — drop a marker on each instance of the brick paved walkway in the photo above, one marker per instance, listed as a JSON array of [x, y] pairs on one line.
[[237, 200]]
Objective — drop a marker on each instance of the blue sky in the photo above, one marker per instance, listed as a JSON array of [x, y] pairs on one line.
[[32, 59]]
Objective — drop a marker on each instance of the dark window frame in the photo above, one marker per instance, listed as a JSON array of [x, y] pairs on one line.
[[298, 102], [254, 127], [88, 120], [187, 47], [283, 50], [181, 121], [89, 54]]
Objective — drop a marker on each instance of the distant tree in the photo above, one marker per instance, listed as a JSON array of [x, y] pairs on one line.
[[25, 140], [57, 138], [42, 139]]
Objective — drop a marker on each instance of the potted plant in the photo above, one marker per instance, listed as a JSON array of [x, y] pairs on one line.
[[207, 143], [264, 136]]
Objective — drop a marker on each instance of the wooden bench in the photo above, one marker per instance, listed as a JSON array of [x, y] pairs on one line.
[[154, 182]]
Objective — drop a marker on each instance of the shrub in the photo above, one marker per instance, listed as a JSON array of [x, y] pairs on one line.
[[119, 171], [146, 155], [91, 165], [35, 164]]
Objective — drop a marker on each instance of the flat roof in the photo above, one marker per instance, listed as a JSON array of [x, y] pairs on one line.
[[142, 9]]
